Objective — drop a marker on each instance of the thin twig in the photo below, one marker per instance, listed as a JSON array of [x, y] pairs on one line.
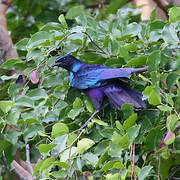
[[70, 147], [65, 37], [159, 166], [132, 156], [28, 159], [103, 52], [150, 109], [86, 123]]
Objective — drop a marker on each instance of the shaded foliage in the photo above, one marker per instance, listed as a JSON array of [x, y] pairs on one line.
[[46, 113]]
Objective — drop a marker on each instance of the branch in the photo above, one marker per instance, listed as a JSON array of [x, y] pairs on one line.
[[161, 4], [28, 159], [20, 171], [5, 40], [70, 147]]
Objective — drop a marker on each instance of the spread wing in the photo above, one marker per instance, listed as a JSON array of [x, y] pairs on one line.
[[97, 75]]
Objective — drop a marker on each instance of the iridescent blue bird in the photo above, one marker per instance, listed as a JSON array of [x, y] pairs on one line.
[[98, 81]]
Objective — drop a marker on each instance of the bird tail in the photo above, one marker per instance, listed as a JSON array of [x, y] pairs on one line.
[[138, 70], [118, 96]]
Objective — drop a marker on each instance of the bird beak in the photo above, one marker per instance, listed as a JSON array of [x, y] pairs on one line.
[[54, 64]]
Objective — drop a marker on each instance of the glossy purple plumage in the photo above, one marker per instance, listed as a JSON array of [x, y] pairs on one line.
[[98, 81]]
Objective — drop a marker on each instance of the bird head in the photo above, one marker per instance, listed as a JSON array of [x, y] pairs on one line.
[[65, 61]]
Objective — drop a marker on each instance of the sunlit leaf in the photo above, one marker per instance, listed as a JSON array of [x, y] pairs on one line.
[[59, 129], [84, 144]]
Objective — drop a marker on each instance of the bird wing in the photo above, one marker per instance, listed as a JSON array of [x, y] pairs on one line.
[[118, 96], [92, 76]]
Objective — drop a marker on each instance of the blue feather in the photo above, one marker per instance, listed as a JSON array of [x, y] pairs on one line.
[[98, 81]]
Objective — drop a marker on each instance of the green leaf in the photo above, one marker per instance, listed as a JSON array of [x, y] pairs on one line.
[[164, 108], [153, 15], [124, 142], [132, 29], [101, 123], [153, 98], [137, 61], [62, 164], [6, 106], [10, 64], [107, 132], [71, 138], [61, 174], [111, 164], [147, 90], [144, 172], [104, 156], [77, 103], [4, 77], [153, 138], [120, 127], [114, 6], [174, 14], [90, 158], [32, 130], [61, 105], [133, 132], [25, 101], [66, 154], [4, 145], [21, 45], [89, 105], [74, 12], [63, 21], [127, 110], [170, 100], [170, 35], [124, 174], [102, 145], [84, 144], [130, 121], [47, 163], [153, 60], [37, 166], [122, 52], [37, 39], [13, 117], [59, 129], [171, 80], [131, 47], [12, 136], [74, 113], [51, 81], [171, 122], [37, 94], [51, 26], [112, 176], [44, 148], [121, 141]]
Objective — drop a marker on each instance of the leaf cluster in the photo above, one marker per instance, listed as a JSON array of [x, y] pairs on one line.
[[46, 113]]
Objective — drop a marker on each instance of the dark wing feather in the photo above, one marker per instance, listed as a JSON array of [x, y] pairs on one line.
[[118, 96], [90, 76]]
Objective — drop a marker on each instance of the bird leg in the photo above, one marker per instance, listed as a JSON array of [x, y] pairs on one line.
[[86, 123]]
